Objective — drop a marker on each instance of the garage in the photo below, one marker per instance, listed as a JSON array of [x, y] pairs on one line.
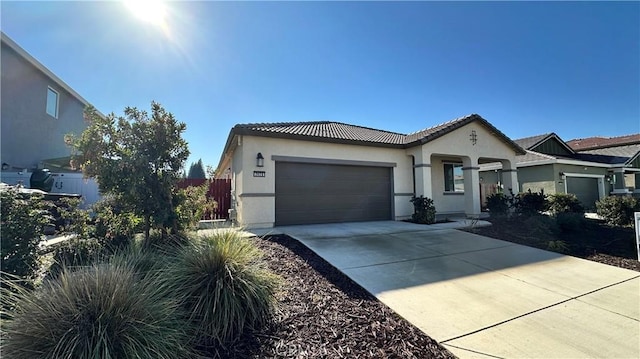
[[586, 189], [307, 193]]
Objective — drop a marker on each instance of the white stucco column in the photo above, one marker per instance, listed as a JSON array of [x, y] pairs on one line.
[[422, 173], [509, 177], [471, 173]]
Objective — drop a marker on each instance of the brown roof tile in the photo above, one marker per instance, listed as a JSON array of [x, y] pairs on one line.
[[345, 133], [583, 144]]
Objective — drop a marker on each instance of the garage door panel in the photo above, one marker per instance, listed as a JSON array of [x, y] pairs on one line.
[[585, 188], [321, 193]]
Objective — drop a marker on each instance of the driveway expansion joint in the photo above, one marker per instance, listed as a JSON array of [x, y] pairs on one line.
[[575, 298]]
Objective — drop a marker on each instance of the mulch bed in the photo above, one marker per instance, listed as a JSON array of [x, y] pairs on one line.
[[324, 314], [594, 240]]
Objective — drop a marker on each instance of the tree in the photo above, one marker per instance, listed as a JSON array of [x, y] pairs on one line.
[[136, 158], [197, 170]]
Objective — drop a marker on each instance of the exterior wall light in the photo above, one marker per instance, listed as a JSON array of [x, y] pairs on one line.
[[562, 176], [259, 160]]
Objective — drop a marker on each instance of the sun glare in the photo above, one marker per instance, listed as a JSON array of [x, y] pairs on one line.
[[151, 11]]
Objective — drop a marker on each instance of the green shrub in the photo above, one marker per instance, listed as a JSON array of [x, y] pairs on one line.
[[540, 229], [570, 222], [192, 205], [101, 311], [565, 203], [498, 204], [21, 228], [115, 226], [617, 210], [558, 246], [74, 253], [223, 286], [423, 210], [530, 203]]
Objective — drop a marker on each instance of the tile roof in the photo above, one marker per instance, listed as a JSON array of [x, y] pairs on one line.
[[324, 129], [529, 142], [345, 133], [583, 144]]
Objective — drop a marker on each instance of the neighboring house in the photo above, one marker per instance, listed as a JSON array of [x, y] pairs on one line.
[[322, 172], [624, 154], [555, 166], [37, 110]]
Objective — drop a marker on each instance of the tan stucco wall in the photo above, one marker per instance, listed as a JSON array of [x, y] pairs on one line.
[[536, 178], [255, 196]]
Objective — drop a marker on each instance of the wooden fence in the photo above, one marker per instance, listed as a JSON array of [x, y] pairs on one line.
[[219, 191]]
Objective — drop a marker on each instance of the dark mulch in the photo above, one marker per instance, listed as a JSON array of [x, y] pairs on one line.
[[324, 314], [589, 239]]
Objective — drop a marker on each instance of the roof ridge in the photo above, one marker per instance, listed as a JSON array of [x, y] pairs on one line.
[[441, 124]]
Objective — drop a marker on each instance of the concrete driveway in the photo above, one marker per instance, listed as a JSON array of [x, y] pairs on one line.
[[485, 298]]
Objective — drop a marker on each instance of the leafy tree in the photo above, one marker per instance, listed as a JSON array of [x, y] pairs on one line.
[[136, 158], [196, 171]]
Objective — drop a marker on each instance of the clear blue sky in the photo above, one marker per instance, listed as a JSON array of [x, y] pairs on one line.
[[528, 68]]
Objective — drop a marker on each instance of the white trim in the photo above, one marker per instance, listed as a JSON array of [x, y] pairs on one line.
[[601, 193], [565, 162], [57, 105]]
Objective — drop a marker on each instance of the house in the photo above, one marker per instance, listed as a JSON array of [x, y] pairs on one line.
[[323, 172], [37, 110], [623, 153], [555, 166]]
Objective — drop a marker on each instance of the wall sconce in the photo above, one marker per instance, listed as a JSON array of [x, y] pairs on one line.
[[5, 166], [259, 160], [562, 176], [610, 178]]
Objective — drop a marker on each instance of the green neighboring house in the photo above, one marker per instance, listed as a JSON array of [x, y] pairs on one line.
[[590, 168]]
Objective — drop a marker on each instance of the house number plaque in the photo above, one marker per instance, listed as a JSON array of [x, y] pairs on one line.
[[259, 174]]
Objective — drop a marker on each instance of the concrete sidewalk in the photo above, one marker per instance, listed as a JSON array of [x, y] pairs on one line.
[[485, 298]]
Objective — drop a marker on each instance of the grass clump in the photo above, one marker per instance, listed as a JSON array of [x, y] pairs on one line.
[[98, 311], [223, 286]]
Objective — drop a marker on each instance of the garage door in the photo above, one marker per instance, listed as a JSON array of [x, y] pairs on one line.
[[321, 193], [586, 189]]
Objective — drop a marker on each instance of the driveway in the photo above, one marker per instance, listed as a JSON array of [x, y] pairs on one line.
[[486, 298]]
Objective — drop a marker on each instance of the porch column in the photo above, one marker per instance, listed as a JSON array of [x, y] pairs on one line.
[[509, 177], [618, 184], [471, 173], [422, 173]]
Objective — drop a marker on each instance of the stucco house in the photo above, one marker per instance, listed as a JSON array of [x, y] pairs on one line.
[[37, 109], [555, 166], [322, 172]]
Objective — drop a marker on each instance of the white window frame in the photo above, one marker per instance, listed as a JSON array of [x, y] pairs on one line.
[[444, 168], [57, 104]]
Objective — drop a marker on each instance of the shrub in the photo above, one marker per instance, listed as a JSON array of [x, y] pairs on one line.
[[565, 203], [21, 227], [530, 203], [570, 222], [74, 253], [115, 226], [102, 311], [558, 246], [223, 286], [423, 210], [617, 210], [498, 204], [193, 204]]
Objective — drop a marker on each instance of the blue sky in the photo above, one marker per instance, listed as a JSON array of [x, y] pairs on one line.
[[529, 68]]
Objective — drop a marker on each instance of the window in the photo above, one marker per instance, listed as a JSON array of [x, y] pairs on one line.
[[52, 102], [453, 177]]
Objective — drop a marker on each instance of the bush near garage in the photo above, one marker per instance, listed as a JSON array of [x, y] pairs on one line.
[[530, 203], [424, 211], [618, 210], [565, 203]]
